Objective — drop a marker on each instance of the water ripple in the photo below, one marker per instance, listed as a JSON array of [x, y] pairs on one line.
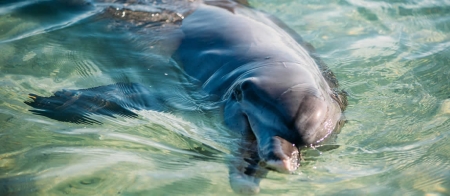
[[6, 9], [391, 56], [42, 29], [106, 135], [435, 49]]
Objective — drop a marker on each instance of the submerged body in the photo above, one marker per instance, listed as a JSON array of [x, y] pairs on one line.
[[273, 91]]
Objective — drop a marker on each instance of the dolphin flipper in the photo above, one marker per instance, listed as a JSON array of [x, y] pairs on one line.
[[77, 105]]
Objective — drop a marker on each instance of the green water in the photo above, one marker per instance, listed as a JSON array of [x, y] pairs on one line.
[[392, 57]]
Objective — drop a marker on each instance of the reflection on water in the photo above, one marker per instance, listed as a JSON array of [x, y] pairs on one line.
[[391, 57]]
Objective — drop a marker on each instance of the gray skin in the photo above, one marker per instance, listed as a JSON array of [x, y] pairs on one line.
[[277, 95], [274, 93]]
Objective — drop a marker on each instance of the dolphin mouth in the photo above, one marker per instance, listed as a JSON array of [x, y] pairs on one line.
[[286, 166], [279, 155]]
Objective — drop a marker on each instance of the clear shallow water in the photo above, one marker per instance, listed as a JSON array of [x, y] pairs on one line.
[[391, 57]]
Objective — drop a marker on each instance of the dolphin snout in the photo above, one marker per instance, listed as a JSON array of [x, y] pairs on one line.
[[279, 155]]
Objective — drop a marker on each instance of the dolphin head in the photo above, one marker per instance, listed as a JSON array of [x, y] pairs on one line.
[[285, 116]]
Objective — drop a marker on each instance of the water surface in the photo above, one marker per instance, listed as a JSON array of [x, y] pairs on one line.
[[392, 57]]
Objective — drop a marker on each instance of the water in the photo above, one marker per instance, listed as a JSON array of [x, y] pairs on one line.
[[392, 57]]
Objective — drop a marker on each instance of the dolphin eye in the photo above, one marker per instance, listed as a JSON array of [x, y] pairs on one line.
[[237, 94], [244, 86]]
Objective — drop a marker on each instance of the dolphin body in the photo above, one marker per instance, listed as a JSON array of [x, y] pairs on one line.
[[276, 93]]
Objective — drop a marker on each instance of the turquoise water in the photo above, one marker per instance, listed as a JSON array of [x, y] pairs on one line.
[[392, 57]]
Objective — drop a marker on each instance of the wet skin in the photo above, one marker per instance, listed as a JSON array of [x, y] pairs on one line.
[[276, 94]]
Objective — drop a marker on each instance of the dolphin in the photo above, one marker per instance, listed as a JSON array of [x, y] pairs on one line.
[[276, 94]]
